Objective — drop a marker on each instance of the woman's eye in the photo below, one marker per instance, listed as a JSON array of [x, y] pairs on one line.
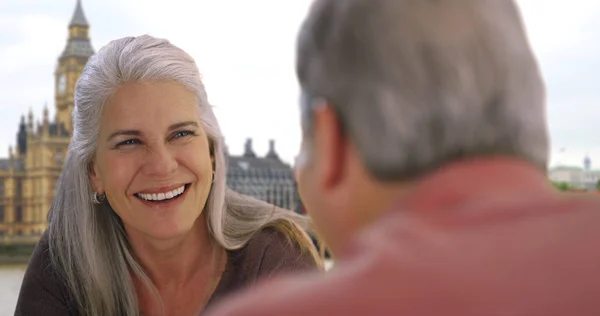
[[128, 142], [182, 134]]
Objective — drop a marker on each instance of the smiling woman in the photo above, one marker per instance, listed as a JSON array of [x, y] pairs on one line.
[[142, 221], [156, 168]]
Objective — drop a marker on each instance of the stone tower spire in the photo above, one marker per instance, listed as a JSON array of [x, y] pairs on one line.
[[78, 16], [70, 64]]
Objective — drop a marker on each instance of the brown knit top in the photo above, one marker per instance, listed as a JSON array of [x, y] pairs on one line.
[[268, 253]]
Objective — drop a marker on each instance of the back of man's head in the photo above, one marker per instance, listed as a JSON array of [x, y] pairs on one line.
[[419, 83]]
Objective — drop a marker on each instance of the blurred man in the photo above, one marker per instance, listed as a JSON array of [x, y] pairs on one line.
[[423, 165]]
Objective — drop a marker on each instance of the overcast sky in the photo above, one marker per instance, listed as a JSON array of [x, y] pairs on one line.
[[245, 50]]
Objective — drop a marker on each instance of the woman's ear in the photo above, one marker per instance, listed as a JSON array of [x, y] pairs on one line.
[[95, 179]]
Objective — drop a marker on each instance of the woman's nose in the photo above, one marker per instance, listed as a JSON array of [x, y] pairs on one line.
[[160, 161]]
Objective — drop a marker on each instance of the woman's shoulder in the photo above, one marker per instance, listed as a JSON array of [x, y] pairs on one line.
[[271, 251], [267, 254], [40, 265], [42, 290]]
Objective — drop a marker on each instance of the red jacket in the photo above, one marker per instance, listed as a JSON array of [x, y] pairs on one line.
[[476, 238]]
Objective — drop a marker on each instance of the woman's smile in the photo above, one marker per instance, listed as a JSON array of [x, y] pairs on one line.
[[165, 197]]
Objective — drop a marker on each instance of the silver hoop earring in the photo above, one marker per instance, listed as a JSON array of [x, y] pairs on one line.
[[98, 198]]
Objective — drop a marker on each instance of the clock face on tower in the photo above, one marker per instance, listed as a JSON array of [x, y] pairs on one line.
[[62, 83]]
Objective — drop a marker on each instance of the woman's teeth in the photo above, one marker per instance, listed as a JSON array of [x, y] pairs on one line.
[[161, 196]]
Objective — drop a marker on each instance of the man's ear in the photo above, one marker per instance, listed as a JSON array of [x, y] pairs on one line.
[[94, 174], [329, 144]]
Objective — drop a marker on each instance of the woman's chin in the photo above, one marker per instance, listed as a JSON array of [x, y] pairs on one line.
[[162, 228], [168, 232], [159, 231]]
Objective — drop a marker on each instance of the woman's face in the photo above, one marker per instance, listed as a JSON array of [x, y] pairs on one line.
[[153, 160]]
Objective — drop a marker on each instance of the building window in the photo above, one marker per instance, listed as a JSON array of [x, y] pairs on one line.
[[2, 214], [19, 192], [19, 214], [289, 204], [277, 199], [268, 193], [2, 193]]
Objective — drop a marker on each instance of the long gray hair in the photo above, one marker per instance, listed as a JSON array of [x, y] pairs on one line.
[[88, 242]]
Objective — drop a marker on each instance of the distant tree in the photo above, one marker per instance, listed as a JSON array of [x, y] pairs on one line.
[[598, 185], [562, 186]]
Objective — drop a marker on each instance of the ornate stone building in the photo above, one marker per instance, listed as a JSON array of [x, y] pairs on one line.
[[28, 175], [266, 178]]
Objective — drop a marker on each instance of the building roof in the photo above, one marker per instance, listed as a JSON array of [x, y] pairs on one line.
[[250, 174], [258, 167], [78, 16], [18, 164], [249, 162], [256, 163]]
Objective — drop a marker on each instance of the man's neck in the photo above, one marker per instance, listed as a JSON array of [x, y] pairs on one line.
[[381, 198], [456, 182]]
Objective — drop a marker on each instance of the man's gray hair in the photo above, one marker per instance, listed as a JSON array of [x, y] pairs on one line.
[[419, 83]]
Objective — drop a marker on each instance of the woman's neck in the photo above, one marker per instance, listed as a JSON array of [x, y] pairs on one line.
[[171, 264]]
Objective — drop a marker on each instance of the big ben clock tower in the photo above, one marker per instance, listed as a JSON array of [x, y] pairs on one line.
[[70, 65], [28, 178]]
